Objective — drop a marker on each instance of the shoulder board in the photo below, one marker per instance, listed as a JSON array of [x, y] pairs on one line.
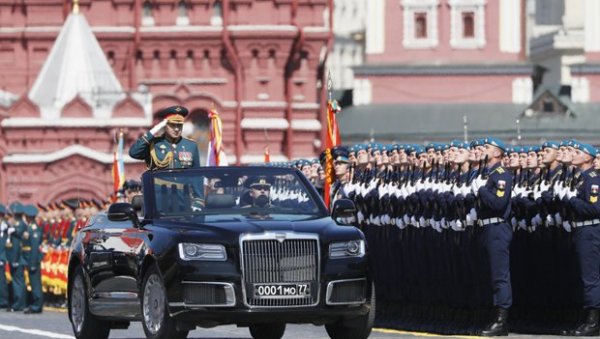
[[192, 140], [500, 170], [593, 174]]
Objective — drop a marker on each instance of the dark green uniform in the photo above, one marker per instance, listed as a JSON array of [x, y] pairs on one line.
[[17, 263], [159, 153], [3, 262], [34, 267]]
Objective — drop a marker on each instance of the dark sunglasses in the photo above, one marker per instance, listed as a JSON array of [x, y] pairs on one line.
[[261, 187]]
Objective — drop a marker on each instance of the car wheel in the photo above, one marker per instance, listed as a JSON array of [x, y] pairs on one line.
[[156, 320], [267, 331], [359, 328], [85, 325]]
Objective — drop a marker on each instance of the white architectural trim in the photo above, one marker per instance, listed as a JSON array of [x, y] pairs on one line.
[[457, 8], [430, 7], [273, 104], [258, 158], [36, 158], [510, 26], [305, 105], [522, 90], [592, 25], [580, 89], [362, 91], [309, 125], [262, 123], [375, 27], [77, 122], [250, 28]]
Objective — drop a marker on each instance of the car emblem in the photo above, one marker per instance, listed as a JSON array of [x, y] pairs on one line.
[[280, 237]]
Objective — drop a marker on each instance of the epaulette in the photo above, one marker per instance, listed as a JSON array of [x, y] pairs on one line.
[[593, 174], [500, 170], [192, 140]]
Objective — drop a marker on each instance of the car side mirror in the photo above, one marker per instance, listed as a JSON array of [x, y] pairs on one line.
[[343, 211], [122, 211]]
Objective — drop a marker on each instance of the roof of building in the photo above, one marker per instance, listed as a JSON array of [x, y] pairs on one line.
[[75, 66], [426, 122], [445, 69]]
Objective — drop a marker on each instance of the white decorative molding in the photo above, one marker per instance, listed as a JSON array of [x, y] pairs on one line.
[[262, 123], [36, 158], [309, 125], [592, 25], [457, 8], [510, 26], [305, 105], [362, 92], [375, 27], [430, 8], [272, 104], [262, 96], [522, 90], [580, 90]]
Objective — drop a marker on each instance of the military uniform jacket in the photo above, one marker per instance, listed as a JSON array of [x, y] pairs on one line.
[[494, 196], [14, 253], [35, 241], [3, 238], [159, 153], [585, 206]]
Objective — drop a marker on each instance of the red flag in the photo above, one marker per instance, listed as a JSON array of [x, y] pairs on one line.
[[267, 155], [115, 173], [332, 139]]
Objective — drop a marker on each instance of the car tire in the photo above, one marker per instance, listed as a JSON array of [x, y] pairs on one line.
[[156, 320], [360, 328], [267, 331], [85, 325]]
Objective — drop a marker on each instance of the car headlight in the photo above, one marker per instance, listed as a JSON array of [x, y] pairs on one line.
[[347, 249], [206, 252]]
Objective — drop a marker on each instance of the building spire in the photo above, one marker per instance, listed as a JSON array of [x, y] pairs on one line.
[[75, 6]]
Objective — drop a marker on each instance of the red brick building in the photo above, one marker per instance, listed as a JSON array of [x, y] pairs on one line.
[[63, 98]]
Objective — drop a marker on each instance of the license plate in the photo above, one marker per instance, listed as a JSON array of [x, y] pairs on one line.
[[281, 290]]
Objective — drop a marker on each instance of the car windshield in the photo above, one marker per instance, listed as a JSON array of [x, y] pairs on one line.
[[223, 194]]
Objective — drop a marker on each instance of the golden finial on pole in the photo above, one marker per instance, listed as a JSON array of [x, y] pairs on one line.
[[75, 6]]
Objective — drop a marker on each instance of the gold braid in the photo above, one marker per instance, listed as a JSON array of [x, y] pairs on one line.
[[160, 164]]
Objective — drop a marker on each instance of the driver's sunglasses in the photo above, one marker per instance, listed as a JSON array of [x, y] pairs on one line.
[[261, 187]]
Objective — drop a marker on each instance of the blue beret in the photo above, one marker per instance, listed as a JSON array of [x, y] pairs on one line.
[[533, 148], [360, 147], [587, 148], [419, 149], [429, 146], [352, 149], [340, 153], [495, 142], [551, 144]]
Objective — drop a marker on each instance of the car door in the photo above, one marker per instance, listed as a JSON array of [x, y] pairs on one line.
[[111, 268]]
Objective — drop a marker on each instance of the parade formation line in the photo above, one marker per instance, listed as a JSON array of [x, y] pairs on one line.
[[423, 334]]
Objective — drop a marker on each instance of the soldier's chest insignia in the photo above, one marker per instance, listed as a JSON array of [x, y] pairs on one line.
[[35, 235], [501, 186], [162, 147], [594, 194], [185, 156]]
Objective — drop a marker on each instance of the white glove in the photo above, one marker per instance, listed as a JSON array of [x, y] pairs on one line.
[[558, 218], [571, 193], [522, 224], [544, 186], [459, 226], [567, 226], [549, 220], [159, 128], [473, 214], [11, 230], [3, 226], [537, 194]]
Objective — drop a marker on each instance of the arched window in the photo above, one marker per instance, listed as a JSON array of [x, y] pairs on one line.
[[468, 19], [420, 25], [147, 15], [217, 16], [182, 14]]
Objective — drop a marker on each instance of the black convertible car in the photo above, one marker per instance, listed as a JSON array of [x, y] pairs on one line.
[[252, 246]]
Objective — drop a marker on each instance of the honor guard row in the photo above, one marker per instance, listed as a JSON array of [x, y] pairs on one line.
[[450, 194]]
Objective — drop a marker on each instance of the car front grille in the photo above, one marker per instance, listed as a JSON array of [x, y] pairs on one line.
[[275, 259]]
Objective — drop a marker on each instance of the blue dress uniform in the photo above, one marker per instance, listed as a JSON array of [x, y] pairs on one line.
[[159, 152], [493, 211], [34, 261], [3, 258], [16, 260]]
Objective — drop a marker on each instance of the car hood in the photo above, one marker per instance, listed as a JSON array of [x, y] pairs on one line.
[[229, 232]]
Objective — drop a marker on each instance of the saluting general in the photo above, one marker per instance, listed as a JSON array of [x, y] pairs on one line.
[[163, 147]]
